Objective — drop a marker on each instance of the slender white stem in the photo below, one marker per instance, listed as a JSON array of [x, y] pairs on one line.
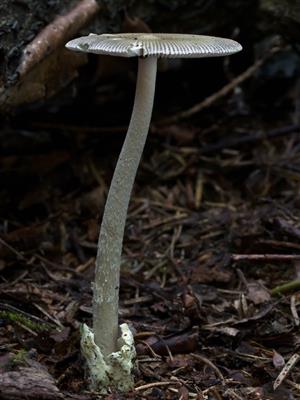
[[107, 278]]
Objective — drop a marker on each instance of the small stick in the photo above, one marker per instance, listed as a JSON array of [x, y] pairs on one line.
[[154, 384], [286, 370], [294, 310], [287, 228], [53, 319], [265, 257], [143, 334], [251, 138], [293, 384], [222, 92], [279, 243], [286, 287]]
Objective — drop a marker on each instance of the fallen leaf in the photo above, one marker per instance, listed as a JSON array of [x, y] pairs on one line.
[[257, 293]]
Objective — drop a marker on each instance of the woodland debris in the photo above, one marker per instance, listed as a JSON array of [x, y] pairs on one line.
[[29, 383]]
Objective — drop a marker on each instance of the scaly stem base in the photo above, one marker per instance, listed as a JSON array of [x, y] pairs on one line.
[[114, 371]]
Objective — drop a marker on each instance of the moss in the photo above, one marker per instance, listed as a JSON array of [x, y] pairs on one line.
[[19, 358], [18, 318]]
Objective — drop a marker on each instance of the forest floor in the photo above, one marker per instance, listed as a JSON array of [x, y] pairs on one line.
[[213, 233]]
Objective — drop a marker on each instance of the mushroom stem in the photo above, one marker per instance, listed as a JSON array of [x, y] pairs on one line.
[[107, 278]]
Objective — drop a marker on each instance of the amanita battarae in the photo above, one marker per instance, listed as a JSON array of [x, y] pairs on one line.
[[148, 48]]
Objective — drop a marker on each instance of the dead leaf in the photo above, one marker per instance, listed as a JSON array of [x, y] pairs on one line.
[[257, 293]]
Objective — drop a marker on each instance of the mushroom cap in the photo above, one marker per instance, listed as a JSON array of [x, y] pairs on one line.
[[169, 45]]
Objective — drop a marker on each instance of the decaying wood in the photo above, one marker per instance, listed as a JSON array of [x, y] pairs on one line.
[[45, 66], [57, 33], [28, 384]]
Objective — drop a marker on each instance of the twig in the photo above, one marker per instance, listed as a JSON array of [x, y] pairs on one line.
[[293, 384], [286, 287], [287, 228], [53, 319], [279, 243], [154, 384], [286, 370], [140, 335], [164, 221], [251, 138], [265, 257], [294, 310], [222, 92]]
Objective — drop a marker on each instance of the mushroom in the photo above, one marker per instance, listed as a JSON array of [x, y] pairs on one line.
[[148, 47]]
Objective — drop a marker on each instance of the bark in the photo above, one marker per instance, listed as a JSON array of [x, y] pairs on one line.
[[28, 383]]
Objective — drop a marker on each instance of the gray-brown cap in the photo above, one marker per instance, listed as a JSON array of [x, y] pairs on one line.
[[169, 45]]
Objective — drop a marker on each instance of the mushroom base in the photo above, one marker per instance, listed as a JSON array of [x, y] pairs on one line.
[[114, 372]]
